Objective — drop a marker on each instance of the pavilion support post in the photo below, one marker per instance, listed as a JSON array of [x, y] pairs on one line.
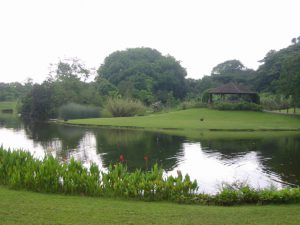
[[210, 99]]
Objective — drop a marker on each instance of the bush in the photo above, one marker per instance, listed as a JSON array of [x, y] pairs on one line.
[[157, 106], [125, 107], [77, 111], [275, 102], [192, 104], [242, 106]]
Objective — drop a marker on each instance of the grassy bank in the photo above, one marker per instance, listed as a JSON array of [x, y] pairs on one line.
[[290, 111], [21, 207], [8, 105], [202, 119]]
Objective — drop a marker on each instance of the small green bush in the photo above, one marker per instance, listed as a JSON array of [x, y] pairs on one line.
[[192, 104], [157, 106], [275, 102], [77, 111], [241, 106], [125, 107]]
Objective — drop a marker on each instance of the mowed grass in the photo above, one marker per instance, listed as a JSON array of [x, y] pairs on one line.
[[8, 105], [203, 119], [21, 207], [290, 111]]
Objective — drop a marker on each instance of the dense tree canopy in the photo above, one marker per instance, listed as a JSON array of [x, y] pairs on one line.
[[232, 71], [147, 75], [229, 66], [64, 85], [15, 90], [144, 73], [276, 64], [225, 72]]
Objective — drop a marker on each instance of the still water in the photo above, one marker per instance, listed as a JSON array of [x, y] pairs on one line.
[[260, 162]]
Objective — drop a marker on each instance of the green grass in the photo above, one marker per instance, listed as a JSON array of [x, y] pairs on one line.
[[212, 120], [8, 105], [199, 135], [291, 111], [21, 207]]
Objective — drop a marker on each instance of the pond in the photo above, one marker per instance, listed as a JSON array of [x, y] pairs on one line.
[[260, 161]]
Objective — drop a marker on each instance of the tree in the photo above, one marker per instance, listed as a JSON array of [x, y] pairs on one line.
[[232, 71], [229, 66], [274, 64], [105, 88], [14, 91], [70, 68], [37, 105], [64, 85], [144, 73], [289, 81]]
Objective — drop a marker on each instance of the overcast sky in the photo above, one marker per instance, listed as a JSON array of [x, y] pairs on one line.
[[199, 33]]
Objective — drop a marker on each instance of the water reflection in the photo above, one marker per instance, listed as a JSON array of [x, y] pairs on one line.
[[258, 161], [134, 145]]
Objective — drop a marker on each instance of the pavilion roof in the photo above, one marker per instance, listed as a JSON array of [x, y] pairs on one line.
[[231, 88]]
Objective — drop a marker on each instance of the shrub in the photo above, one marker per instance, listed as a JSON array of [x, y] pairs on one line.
[[192, 104], [125, 107], [77, 111], [242, 106], [157, 106], [205, 97], [275, 102]]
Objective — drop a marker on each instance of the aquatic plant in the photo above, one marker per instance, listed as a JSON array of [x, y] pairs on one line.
[[20, 170]]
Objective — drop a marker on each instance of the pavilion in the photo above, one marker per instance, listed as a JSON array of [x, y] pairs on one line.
[[235, 91]]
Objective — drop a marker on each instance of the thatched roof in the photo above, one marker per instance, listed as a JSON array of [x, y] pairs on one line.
[[231, 88]]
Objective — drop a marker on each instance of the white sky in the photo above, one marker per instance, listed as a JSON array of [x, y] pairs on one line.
[[201, 34]]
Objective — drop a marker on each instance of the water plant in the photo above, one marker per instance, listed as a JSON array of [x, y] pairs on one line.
[[20, 170]]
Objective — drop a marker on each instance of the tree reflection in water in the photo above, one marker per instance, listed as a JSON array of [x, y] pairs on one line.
[[210, 161]]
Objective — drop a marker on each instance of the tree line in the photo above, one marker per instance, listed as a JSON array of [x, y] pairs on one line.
[[148, 76]]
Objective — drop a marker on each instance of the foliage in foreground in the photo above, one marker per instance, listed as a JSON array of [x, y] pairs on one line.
[[19, 170]]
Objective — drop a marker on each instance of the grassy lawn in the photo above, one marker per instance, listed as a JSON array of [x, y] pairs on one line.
[[212, 120], [290, 111], [21, 207], [8, 105]]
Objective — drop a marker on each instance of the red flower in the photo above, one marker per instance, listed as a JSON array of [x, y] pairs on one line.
[[146, 158], [121, 158]]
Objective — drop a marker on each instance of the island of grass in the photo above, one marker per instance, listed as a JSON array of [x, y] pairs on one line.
[[202, 119]]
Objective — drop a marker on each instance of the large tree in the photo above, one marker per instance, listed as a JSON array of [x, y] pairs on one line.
[[38, 103], [232, 71], [64, 85], [274, 64], [289, 80], [144, 73], [15, 90], [229, 66]]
